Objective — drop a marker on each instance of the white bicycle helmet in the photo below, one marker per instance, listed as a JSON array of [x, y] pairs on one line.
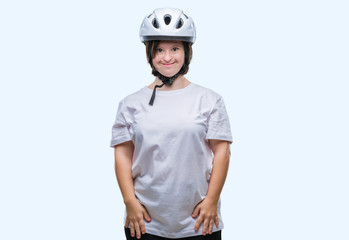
[[167, 24]]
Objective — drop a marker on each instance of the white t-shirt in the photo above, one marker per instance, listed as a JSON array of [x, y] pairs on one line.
[[172, 159]]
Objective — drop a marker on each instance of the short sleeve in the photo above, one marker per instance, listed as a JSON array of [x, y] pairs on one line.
[[121, 129], [218, 126]]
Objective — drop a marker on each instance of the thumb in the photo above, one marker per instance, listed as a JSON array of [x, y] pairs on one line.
[[196, 211], [146, 216], [217, 221]]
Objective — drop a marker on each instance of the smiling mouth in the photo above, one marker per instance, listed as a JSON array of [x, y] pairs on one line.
[[167, 64]]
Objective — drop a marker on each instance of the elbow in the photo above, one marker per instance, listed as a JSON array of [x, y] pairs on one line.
[[228, 154]]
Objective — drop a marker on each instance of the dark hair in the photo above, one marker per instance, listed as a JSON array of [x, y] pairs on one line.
[[151, 46]]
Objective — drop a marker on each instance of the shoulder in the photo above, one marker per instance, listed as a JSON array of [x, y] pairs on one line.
[[129, 104], [208, 93], [134, 98]]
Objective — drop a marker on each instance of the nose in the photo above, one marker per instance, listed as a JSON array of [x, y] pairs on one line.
[[167, 56]]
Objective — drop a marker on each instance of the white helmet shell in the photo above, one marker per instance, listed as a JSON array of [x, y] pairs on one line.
[[167, 24]]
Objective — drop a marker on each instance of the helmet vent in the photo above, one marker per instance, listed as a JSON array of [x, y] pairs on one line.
[[167, 19], [186, 16], [179, 24], [155, 23]]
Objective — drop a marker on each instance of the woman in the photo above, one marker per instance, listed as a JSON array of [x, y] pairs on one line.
[[171, 145]]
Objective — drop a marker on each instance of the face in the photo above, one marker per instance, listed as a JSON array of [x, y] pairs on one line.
[[169, 57]]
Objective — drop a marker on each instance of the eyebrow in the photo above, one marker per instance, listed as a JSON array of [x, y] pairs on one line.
[[175, 45]]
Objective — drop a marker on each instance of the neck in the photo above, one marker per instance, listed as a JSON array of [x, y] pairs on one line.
[[180, 82]]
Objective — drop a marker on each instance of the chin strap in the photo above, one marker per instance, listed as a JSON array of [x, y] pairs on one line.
[[165, 80]]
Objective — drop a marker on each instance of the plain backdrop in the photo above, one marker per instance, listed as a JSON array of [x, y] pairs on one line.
[[281, 67]]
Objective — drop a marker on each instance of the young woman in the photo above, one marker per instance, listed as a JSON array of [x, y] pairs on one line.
[[171, 141]]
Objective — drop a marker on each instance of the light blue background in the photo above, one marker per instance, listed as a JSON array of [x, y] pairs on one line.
[[281, 66]]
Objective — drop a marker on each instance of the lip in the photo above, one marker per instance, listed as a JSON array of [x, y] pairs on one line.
[[167, 64]]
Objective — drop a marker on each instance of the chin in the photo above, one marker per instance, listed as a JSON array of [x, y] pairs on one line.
[[167, 74]]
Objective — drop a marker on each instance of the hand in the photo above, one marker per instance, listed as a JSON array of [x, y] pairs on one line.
[[136, 212], [207, 212]]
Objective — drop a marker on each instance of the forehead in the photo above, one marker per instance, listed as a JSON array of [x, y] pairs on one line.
[[169, 43]]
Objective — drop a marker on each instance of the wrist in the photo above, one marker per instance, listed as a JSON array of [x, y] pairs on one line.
[[130, 199], [212, 199]]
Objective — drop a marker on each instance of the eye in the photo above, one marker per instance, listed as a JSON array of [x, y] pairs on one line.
[[175, 49], [159, 50]]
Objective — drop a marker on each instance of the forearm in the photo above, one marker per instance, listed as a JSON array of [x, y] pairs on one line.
[[136, 212], [123, 170], [219, 170], [207, 209]]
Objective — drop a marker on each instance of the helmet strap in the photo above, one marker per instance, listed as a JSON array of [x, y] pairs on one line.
[[165, 80]]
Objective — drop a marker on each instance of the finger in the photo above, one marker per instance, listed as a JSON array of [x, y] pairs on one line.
[[205, 227], [142, 227], [146, 216], [196, 211], [210, 226], [138, 230], [132, 229], [198, 224], [126, 223], [216, 221]]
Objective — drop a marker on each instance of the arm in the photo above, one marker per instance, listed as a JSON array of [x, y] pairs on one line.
[[123, 170], [207, 208]]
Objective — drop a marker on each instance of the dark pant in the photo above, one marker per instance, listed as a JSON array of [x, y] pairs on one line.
[[213, 236]]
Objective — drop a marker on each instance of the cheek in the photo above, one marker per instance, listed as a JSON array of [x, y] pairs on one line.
[[182, 57], [155, 60]]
